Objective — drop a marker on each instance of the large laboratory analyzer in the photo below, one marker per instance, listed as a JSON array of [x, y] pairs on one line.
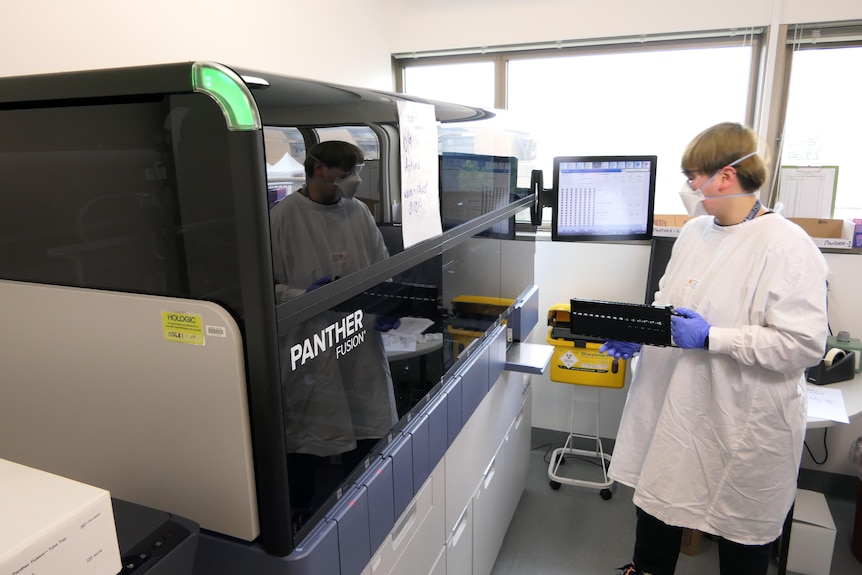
[[376, 424]]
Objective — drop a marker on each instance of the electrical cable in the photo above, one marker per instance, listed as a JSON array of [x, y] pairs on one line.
[[825, 449], [547, 447]]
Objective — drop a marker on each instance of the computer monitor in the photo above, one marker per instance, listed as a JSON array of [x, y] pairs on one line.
[[472, 185], [603, 198]]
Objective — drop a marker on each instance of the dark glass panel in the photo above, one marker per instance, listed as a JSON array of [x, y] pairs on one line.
[[85, 197], [346, 384], [88, 198]]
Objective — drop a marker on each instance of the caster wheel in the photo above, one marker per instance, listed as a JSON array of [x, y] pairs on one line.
[[555, 485], [606, 494]]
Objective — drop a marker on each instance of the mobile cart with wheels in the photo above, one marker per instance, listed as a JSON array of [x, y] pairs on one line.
[[577, 331], [577, 361]]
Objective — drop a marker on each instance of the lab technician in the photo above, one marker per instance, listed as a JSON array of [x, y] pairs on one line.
[[712, 431], [338, 401]]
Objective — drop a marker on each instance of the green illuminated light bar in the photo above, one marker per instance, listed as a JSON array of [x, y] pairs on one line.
[[229, 92]]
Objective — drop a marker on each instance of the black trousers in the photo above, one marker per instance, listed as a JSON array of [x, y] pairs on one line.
[[657, 550]]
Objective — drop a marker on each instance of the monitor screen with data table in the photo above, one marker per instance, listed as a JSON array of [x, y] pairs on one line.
[[603, 198]]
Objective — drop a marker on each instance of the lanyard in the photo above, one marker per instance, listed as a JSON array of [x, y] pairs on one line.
[[754, 209], [753, 212]]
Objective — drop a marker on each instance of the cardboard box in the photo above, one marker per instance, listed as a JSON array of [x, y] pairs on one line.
[[812, 535], [664, 221], [826, 233], [691, 540], [670, 220], [50, 525], [669, 224], [820, 228]]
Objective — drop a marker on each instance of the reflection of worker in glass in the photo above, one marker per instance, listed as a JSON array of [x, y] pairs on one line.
[[712, 431], [336, 401]]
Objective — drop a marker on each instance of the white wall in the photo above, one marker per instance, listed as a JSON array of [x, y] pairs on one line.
[[324, 40], [438, 24]]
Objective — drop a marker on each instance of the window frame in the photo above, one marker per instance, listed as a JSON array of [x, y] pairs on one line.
[[502, 55], [794, 38]]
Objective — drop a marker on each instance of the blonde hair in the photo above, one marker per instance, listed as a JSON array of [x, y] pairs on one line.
[[720, 146]]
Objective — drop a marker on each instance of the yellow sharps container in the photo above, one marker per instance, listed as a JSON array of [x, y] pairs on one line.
[[576, 358]]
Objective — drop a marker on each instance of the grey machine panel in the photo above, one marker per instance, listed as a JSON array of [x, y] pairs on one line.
[[318, 553], [453, 409], [496, 356], [438, 429], [529, 357], [474, 384], [354, 543], [525, 315], [94, 390], [419, 431], [381, 499], [401, 454]]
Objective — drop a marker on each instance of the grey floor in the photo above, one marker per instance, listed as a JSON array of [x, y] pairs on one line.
[[573, 531]]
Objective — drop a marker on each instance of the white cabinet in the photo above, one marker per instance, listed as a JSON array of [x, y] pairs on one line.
[[499, 491], [459, 545], [520, 440], [440, 566], [487, 464], [417, 540], [488, 517], [472, 451], [456, 523]]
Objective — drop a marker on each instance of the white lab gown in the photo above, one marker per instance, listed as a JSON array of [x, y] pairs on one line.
[[311, 240], [712, 440], [329, 403]]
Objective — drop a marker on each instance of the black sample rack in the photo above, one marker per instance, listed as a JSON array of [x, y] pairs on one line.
[[638, 323]]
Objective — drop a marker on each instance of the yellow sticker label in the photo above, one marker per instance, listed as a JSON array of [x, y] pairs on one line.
[[183, 327]]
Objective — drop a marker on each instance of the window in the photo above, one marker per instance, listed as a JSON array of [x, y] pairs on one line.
[[629, 103], [469, 83], [823, 118], [620, 98], [286, 152], [362, 136]]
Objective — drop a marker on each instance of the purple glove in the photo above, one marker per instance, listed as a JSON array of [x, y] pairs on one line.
[[318, 282], [689, 329], [620, 349], [386, 322]]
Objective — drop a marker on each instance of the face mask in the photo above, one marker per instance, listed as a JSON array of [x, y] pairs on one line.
[[348, 186], [693, 199]]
